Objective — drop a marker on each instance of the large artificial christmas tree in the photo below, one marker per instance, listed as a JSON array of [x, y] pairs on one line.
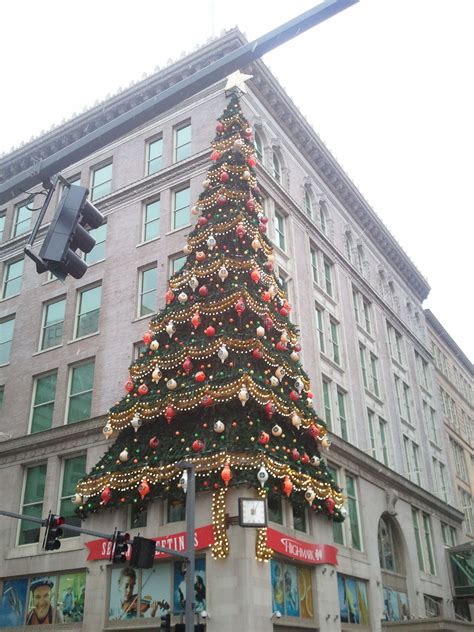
[[220, 382]]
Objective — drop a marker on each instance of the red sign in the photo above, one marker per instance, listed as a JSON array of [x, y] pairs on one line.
[[299, 550], [203, 537]]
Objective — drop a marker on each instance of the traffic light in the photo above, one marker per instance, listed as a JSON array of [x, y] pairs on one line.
[[53, 533], [120, 547], [165, 622], [67, 233], [143, 552]]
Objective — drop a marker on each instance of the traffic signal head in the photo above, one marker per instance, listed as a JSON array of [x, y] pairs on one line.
[[119, 550], [53, 533], [67, 233], [143, 552]]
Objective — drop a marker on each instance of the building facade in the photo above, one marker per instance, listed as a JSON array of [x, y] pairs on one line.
[[357, 299]]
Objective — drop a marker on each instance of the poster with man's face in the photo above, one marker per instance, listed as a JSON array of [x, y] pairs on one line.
[[13, 595], [42, 603], [123, 594]]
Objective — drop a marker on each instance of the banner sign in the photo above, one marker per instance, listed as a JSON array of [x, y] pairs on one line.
[[301, 551], [203, 537]]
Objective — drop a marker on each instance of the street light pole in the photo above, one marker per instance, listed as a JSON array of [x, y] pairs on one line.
[[190, 552]]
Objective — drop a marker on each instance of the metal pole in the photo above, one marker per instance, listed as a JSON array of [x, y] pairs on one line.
[[168, 98], [190, 552]]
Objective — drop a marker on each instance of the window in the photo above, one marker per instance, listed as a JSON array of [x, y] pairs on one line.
[[439, 475], [327, 404], [21, 223], [292, 589], [275, 509], [139, 348], [299, 517], [151, 220], [320, 328], [98, 251], [374, 375], [176, 510], [53, 324], [314, 265], [459, 460], [276, 167], [280, 230], [138, 516], [362, 310], [2, 395], [353, 602], [73, 470], [378, 437], [258, 146], [80, 392], [283, 282], [336, 356], [363, 366], [6, 336], [88, 311], [386, 544], [154, 156], [433, 606], [101, 181], [182, 142], [328, 277], [323, 217], [360, 259], [402, 391], [147, 291], [423, 371], [353, 513], [12, 278], [412, 462], [32, 505], [337, 527], [2, 225], [308, 201], [341, 405], [181, 213], [395, 343], [430, 420], [466, 508], [176, 263], [449, 534], [424, 541], [349, 245], [43, 402]]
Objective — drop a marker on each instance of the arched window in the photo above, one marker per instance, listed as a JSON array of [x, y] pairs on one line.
[[258, 146], [360, 259], [390, 546], [323, 216], [349, 245], [308, 201], [276, 167]]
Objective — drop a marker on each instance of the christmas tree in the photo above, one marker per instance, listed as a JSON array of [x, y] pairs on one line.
[[220, 382]]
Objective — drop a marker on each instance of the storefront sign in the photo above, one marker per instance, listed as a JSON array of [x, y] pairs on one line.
[[203, 537], [299, 550]]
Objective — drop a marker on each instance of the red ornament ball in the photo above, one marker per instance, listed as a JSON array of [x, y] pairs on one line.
[[203, 291], [264, 438], [143, 389], [220, 127], [154, 443], [210, 331], [215, 155], [224, 177], [197, 445], [129, 385], [200, 376], [148, 336], [202, 221]]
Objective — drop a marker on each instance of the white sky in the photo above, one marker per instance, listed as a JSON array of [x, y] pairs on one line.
[[387, 84]]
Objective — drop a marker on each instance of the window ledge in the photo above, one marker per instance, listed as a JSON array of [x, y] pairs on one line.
[[70, 342], [7, 298], [330, 361], [399, 365], [425, 390], [148, 241], [89, 265], [373, 396], [407, 423], [366, 333], [41, 351], [330, 298], [176, 230], [5, 364], [139, 318]]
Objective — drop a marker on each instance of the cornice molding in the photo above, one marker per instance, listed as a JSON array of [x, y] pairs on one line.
[[273, 96], [441, 332]]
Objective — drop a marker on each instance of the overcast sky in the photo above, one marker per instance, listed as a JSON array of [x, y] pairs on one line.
[[387, 85]]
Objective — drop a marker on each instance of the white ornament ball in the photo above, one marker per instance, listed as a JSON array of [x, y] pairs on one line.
[[193, 282], [182, 297], [107, 431], [136, 422], [343, 511], [223, 354], [295, 356], [310, 495], [223, 273], [171, 384], [76, 499], [154, 345], [260, 331], [238, 144], [219, 426], [156, 375], [274, 381], [276, 430], [315, 460], [187, 249], [123, 456], [262, 475]]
